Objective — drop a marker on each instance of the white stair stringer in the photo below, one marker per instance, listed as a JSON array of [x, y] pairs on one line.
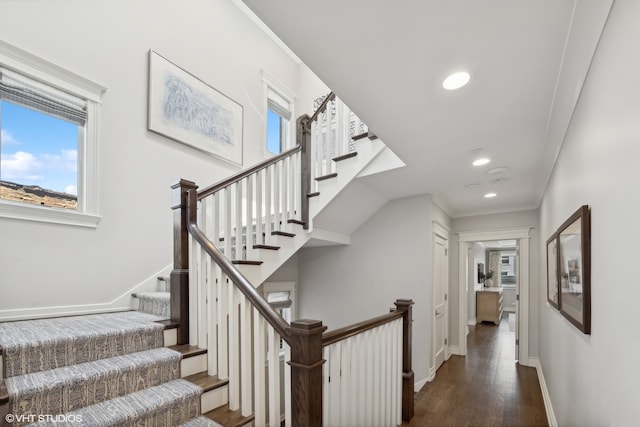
[[347, 170]]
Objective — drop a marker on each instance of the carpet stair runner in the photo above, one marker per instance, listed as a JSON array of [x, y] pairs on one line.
[[157, 303], [98, 370]]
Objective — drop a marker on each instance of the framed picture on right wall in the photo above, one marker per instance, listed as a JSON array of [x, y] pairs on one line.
[[574, 268], [552, 271]]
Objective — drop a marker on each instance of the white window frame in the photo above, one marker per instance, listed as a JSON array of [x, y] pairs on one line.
[[270, 83], [47, 73]]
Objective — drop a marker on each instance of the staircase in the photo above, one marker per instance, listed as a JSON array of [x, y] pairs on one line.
[[225, 352]]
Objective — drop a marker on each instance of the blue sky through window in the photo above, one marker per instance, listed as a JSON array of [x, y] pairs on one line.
[[38, 149], [274, 124]]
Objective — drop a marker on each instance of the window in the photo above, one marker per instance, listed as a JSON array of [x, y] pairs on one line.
[[282, 297], [279, 112], [48, 141]]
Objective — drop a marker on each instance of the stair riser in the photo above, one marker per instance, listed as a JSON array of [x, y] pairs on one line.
[[193, 365], [214, 399], [170, 337]]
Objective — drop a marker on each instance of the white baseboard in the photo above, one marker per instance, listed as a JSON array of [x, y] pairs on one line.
[[122, 303], [417, 386], [454, 349], [551, 416], [472, 322]]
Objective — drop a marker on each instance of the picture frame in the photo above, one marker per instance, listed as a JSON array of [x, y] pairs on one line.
[[186, 109], [553, 290], [574, 269]]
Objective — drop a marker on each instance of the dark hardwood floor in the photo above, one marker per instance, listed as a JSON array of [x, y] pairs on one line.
[[486, 388]]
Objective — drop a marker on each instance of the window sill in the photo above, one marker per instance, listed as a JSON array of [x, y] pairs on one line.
[[50, 215]]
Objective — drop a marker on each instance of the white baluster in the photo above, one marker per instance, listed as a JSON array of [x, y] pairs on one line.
[[274, 377], [234, 350], [284, 210], [268, 203], [276, 195], [246, 352], [249, 211], [227, 221], [287, 385], [259, 208], [223, 325], [238, 221], [194, 286], [201, 258], [259, 363]]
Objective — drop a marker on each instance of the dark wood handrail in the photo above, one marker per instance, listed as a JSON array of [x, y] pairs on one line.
[[207, 191], [337, 335], [275, 320], [323, 106]]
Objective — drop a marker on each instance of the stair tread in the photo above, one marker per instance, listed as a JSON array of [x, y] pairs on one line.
[[179, 395], [269, 247], [228, 418], [345, 156], [94, 371], [317, 193], [4, 395], [282, 233], [246, 262], [56, 334], [188, 350], [360, 136], [296, 221], [168, 323], [206, 381], [328, 176], [200, 421]]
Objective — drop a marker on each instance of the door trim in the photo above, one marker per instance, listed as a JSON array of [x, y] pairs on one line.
[[442, 232], [464, 239]]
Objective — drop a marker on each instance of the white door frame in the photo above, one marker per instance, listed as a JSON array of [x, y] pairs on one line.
[[441, 231], [522, 297]]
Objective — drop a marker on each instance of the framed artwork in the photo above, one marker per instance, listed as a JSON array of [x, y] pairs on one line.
[[552, 271], [480, 272], [186, 109], [574, 265]]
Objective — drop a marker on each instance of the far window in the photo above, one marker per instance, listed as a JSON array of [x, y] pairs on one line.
[[279, 114], [49, 120]]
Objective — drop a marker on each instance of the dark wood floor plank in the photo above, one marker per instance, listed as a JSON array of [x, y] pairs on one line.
[[486, 388]]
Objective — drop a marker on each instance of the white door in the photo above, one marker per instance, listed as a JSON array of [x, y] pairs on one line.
[[517, 315], [440, 303]]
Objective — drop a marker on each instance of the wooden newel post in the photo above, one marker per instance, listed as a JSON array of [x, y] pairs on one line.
[[179, 280], [303, 138], [306, 372], [408, 380]]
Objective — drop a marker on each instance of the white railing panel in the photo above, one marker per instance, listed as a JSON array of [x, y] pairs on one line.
[[223, 325], [362, 378], [287, 385], [234, 349]]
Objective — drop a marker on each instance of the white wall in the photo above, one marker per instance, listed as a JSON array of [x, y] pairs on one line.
[[593, 379], [44, 265], [518, 219], [390, 257]]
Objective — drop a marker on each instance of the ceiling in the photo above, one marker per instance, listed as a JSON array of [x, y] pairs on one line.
[[387, 60]]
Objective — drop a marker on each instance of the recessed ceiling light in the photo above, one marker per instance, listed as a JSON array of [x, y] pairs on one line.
[[456, 80], [497, 171], [481, 161], [490, 195]]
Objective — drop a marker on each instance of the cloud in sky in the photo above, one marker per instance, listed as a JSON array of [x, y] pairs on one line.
[[6, 138], [66, 161], [71, 189], [21, 166]]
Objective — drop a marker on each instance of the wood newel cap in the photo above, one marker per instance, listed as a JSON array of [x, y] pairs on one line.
[[179, 194], [404, 304], [307, 327]]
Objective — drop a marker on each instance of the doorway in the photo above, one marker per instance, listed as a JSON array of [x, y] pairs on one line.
[[521, 321]]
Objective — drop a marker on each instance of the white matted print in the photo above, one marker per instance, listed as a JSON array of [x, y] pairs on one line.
[[186, 109]]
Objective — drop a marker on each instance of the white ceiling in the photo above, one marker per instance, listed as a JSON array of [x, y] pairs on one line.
[[387, 61]]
